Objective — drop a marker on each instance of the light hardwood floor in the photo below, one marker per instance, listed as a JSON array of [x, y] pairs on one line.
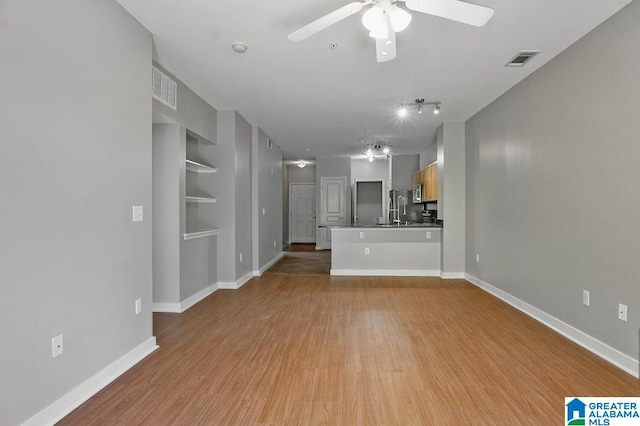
[[315, 349]]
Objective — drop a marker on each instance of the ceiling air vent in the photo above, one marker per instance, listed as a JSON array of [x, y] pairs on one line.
[[522, 58], [164, 89]]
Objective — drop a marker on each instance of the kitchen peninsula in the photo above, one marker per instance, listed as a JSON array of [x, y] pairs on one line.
[[386, 250]]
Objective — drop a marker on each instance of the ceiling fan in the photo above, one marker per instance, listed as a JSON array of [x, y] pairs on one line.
[[385, 18]]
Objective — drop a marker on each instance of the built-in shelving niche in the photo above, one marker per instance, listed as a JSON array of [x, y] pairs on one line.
[[200, 178]]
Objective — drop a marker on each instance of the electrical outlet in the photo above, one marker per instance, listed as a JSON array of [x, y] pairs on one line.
[[622, 312], [138, 306], [137, 214], [428, 235], [361, 234], [477, 257], [274, 243], [56, 346], [264, 211], [585, 298], [240, 257], [366, 251]]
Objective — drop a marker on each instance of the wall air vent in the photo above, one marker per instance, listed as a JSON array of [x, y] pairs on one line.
[[269, 143], [164, 89], [522, 58]]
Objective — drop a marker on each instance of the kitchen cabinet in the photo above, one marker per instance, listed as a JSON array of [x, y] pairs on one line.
[[428, 178], [430, 183], [417, 178]]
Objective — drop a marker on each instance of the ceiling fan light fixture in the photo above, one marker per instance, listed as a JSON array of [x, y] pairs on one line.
[[400, 18], [381, 31], [372, 17]]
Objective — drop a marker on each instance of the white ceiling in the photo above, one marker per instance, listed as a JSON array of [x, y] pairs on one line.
[[307, 96]]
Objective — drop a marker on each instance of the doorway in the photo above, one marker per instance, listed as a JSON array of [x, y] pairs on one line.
[[368, 205], [302, 212]]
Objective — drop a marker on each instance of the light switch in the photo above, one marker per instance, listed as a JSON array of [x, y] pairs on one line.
[[137, 214]]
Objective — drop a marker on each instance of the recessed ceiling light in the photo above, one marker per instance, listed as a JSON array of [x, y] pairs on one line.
[[239, 47]]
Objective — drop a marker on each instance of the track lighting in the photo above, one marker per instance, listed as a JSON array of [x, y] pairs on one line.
[[419, 103]]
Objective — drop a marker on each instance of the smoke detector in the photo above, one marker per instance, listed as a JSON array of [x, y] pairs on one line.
[[239, 47]]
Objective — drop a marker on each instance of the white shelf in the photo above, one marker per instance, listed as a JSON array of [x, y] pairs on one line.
[[199, 138], [193, 199], [196, 167], [203, 233]]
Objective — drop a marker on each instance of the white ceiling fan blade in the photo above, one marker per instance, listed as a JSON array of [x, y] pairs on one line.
[[386, 48], [455, 10], [326, 21]]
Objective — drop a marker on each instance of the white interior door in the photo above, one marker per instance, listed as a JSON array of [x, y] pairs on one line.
[[303, 212], [333, 211]]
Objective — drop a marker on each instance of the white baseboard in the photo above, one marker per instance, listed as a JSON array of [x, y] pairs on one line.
[[234, 285], [319, 248], [452, 275], [268, 265], [386, 272], [599, 348], [172, 308], [72, 400], [192, 300], [178, 308]]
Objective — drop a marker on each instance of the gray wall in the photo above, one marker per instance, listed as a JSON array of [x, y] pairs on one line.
[[243, 136], [166, 213], [226, 196], [269, 200], [285, 203], [75, 157], [235, 136], [429, 155], [403, 167], [363, 169], [552, 185], [298, 175], [451, 183]]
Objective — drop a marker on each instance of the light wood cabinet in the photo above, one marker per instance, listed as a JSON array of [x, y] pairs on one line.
[[417, 178], [430, 185], [428, 178]]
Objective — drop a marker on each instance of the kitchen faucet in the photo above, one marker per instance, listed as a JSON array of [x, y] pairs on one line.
[[404, 208]]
